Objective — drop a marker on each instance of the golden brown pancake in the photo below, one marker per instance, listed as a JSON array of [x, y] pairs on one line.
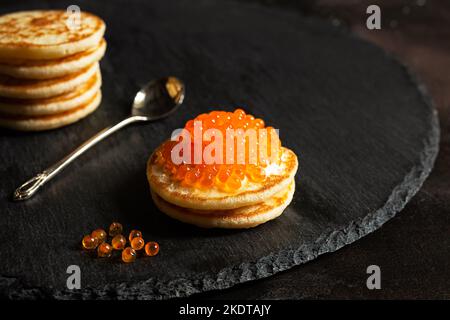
[[48, 69], [35, 89], [52, 121], [215, 199], [46, 34], [240, 218]]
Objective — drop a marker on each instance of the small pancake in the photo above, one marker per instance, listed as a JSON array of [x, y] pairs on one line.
[[34, 107], [53, 121], [240, 218], [48, 69], [214, 199], [36, 89], [45, 34]]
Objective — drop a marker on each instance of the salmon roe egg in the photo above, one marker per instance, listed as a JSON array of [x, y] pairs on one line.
[[151, 248], [129, 255], [226, 177], [115, 228], [100, 235], [118, 242], [104, 250], [89, 242], [134, 234], [137, 243]]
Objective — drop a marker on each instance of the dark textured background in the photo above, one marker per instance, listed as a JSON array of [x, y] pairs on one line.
[[412, 249], [114, 66]]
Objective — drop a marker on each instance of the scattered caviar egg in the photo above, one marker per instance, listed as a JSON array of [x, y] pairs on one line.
[[100, 235], [89, 242], [134, 234], [151, 248], [115, 228], [128, 255], [104, 250], [137, 243], [118, 242], [231, 175]]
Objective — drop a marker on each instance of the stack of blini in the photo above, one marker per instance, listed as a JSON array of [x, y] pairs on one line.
[[221, 196], [49, 70]]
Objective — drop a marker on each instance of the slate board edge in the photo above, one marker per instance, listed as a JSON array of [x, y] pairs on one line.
[[152, 288]]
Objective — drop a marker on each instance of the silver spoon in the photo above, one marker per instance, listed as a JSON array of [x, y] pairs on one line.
[[156, 100]]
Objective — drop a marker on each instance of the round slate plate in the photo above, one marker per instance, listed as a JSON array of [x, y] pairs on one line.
[[365, 134]]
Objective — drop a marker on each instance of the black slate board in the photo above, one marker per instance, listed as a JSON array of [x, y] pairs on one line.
[[365, 133]]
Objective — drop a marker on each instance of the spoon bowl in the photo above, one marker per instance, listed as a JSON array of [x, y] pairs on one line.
[[158, 99]]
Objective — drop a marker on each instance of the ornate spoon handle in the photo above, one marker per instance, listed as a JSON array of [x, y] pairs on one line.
[[30, 187]]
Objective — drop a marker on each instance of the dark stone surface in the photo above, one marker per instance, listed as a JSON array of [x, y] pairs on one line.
[[366, 137], [412, 248]]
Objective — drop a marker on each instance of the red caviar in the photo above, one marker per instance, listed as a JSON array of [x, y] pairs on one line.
[[226, 177], [151, 248]]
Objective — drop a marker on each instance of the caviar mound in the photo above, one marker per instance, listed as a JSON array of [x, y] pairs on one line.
[[238, 158]]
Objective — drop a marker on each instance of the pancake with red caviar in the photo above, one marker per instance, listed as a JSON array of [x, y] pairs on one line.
[[220, 186], [51, 121], [48, 34], [239, 218]]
